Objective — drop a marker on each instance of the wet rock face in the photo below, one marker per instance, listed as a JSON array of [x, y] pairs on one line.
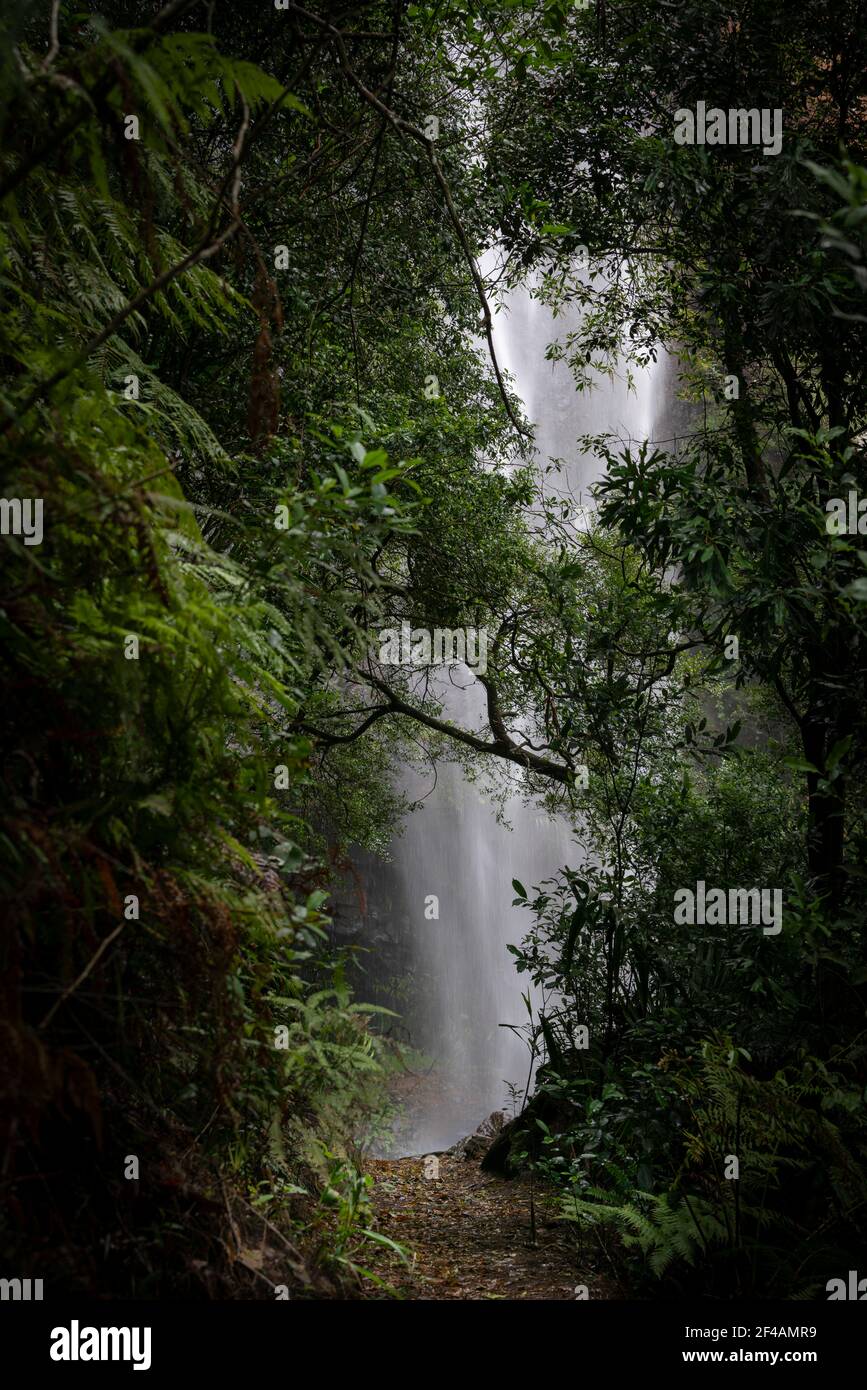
[[476, 1145], [365, 911]]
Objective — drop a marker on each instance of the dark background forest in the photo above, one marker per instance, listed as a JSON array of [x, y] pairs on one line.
[[234, 254]]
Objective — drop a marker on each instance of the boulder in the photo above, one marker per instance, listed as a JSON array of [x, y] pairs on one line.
[[521, 1133], [476, 1145]]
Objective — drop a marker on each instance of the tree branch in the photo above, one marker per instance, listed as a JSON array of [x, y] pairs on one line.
[[379, 712], [502, 746], [403, 127]]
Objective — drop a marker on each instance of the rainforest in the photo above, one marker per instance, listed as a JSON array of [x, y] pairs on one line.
[[416, 458]]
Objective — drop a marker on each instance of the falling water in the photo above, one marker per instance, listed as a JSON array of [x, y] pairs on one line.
[[463, 989]]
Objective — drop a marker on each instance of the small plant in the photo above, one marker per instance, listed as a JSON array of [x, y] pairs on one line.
[[345, 1210]]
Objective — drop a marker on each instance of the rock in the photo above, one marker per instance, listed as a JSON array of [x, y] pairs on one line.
[[476, 1145], [522, 1133]]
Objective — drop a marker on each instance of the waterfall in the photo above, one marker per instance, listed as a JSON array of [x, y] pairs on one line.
[[463, 987]]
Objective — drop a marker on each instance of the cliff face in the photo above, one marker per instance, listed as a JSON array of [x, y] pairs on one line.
[[371, 916]]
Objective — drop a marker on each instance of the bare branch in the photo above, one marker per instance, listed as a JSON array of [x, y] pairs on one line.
[[322, 736], [502, 746], [54, 36], [70, 989]]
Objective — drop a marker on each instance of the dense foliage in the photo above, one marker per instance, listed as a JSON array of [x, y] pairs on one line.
[[712, 1041], [248, 369]]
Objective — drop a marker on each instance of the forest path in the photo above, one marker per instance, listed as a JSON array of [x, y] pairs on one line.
[[469, 1234]]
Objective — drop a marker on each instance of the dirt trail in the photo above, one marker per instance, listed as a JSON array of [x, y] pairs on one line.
[[470, 1235]]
